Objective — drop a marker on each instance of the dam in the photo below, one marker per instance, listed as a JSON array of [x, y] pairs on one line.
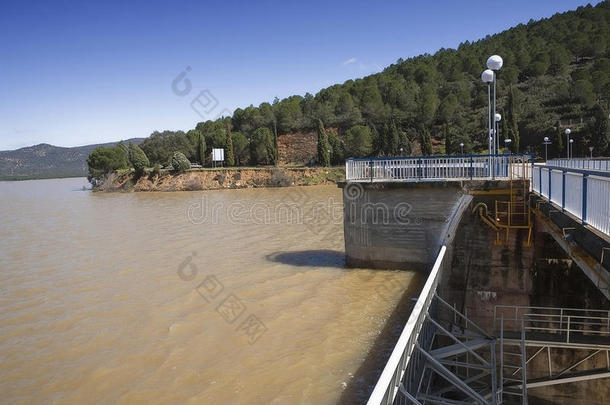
[[516, 305]]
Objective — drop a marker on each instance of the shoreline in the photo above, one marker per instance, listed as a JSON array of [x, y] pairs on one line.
[[221, 178]]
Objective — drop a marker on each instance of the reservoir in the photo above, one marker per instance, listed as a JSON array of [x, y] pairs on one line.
[[207, 297]]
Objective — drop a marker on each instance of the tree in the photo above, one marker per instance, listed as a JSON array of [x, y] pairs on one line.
[[179, 162], [512, 120], [103, 160], [426, 142], [358, 141], [447, 108], [582, 91], [240, 148], [201, 149], [449, 141], [275, 152], [160, 146], [138, 158], [599, 130], [230, 153], [428, 104], [261, 147], [404, 145], [337, 148], [323, 146]]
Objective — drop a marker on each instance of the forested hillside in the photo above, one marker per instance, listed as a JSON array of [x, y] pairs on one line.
[[47, 161], [556, 74]]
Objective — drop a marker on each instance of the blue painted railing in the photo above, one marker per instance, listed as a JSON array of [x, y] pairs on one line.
[[583, 193], [431, 168]]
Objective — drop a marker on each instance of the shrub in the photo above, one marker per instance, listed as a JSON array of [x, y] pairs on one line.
[[137, 158], [280, 179], [179, 162]]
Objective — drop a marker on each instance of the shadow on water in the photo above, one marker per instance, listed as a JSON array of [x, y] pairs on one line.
[[310, 258], [360, 387]]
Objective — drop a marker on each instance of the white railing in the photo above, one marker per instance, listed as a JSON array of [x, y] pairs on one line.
[[388, 384], [585, 164], [431, 168], [567, 325], [583, 193]]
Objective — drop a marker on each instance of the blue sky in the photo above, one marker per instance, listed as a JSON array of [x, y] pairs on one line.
[[75, 73]]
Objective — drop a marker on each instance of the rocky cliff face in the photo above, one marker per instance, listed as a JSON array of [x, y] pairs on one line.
[[207, 179]]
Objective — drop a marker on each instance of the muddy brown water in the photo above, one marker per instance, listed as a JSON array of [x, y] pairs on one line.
[[214, 297]]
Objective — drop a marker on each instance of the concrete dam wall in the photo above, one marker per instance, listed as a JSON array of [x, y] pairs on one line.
[[400, 225]]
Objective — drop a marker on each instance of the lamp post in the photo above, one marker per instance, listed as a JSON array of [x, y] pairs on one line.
[[497, 118], [591, 151], [546, 145], [494, 63], [488, 77], [462, 147], [507, 144], [401, 149], [567, 132], [571, 150]]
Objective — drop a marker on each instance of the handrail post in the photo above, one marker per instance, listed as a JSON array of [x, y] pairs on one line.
[[584, 198], [371, 169], [471, 168], [563, 190], [550, 181]]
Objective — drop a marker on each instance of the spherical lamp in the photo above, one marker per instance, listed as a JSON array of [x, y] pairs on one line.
[[495, 62], [487, 76]]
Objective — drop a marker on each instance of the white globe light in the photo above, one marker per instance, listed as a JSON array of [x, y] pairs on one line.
[[507, 141], [487, 76], [546, 139], [571, 140], [498, 117], [495, 62], [567, 131]]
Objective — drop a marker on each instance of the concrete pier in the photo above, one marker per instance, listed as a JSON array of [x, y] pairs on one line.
[[400, 225]]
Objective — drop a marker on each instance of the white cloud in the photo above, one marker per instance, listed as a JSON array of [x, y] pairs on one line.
[[349, 61]]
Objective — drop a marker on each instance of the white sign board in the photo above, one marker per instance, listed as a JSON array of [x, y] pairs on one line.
[[218, 155]]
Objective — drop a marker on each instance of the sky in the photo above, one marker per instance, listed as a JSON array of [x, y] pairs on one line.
[[76, 73]]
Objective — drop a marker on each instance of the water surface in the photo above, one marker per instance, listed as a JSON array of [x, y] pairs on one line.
[[190, 297]]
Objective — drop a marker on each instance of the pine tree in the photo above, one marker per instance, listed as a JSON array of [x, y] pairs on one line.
[[558, 138], [323, 146], [404, 144], [448, 140], [229, 143], [201, 149], [394, 139], [426, 142], [599, 131], [275, 153], [513, 125]]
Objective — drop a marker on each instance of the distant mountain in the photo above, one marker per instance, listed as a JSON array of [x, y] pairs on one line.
[[46, 161]]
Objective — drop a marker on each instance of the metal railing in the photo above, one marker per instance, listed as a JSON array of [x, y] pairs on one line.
[[585, 164], [432, 168], [402, 356], [566, 325], [583, 193]]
